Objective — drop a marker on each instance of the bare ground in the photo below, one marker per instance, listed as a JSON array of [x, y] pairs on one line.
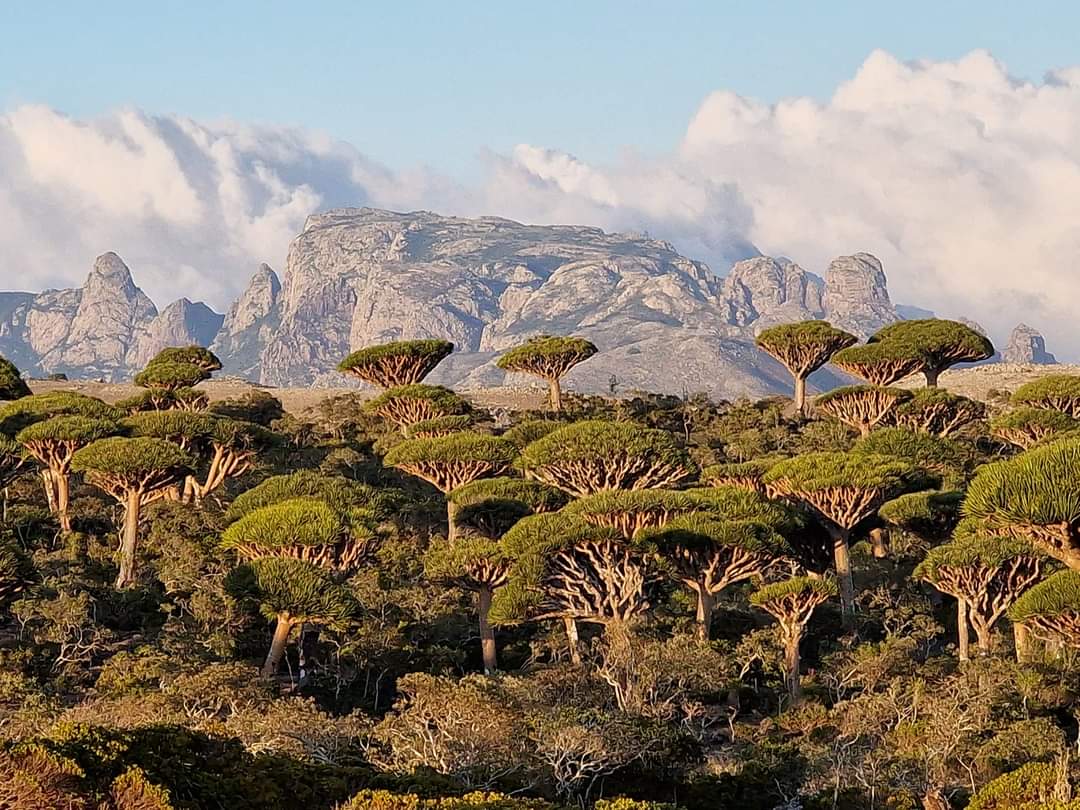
[[975, 382]]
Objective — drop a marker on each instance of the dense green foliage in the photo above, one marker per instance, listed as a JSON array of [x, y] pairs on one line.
[[419, 604], [12, 385], [390, 365]]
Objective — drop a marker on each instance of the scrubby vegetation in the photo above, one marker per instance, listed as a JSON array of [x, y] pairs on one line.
[[867, 599]]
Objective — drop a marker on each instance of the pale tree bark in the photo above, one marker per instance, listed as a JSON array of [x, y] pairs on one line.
[[1022, 641], [487, 634], [963, 631], [129, 539], [842, 563], [555, 394], [706, 605], [800, 394], [282, 630], [573, 640]]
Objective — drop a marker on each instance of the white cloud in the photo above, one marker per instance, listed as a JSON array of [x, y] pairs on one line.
[[963, 180]]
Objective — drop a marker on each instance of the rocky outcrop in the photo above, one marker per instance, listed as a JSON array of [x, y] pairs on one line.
[[355, 277], [249, 324], [857, 296], [765, 292], [182, 323], [662, 322], [105, 329], [1026, 345]]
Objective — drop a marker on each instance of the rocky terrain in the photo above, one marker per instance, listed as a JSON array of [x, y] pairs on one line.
[[354, 277]]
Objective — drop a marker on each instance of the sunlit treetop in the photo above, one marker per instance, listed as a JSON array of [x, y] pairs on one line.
[[390, 365], [547, 356], [938, 343], [878, 363], [340, 493], [189, 355], [1057, 392], [18, 414], [170, 375], [804, 347]]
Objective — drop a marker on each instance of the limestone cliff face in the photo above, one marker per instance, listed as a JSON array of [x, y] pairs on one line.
[[1026, 345], [662, 322], [108, 328], [249, 324], [182, 323], [857, 295], [764, 292], [356, 277]]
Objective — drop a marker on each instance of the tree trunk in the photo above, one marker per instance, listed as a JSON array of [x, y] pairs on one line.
[[864, 429], [931, 375], [1022, 641], [705, 606], [842, 561], [128, 541], [487, 635], [791, 665], [63, 498], [277, 646], [963, 636], [572, 639], [879, 543], [451, 520], [555, 394], [984, 637], [800, 395], [50, 489]]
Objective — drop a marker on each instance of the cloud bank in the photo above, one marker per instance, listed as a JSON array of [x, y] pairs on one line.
[[962, 179]]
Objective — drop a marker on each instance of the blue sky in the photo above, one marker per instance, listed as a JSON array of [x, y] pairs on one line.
[[437, 82]]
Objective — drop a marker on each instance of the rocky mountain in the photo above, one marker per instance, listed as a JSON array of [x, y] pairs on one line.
[[354, 277], [362, 276], [1026, 345], [105, 329]]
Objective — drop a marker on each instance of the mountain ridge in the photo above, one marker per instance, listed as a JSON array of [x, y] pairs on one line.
[[359, 276]]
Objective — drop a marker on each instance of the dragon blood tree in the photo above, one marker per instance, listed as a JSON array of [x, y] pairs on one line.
[[528, 431], [1054, 392], [629, 511], [12, 385], [411, 404], [862, 407], [944, 460], [391, 365], [565, 569], [478, 564], [936, 411], [878, 363], [438, 427], [591, 456], [708, 555], [491, 506], [170, 379], [134, 472], [986, 574], [1026, 427], [549, 358], [53, 443], [746, 474], [930, 515], [52, 446], [292, 593], [939, 344], [1034, 496], [306, 529], [341, 494], [1051, 609], [452, 461], [803, 348], [228, 446], [792, 603], [844, 489]]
